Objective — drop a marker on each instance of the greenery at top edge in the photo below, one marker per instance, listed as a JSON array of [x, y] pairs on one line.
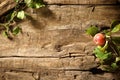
[[18, 12]]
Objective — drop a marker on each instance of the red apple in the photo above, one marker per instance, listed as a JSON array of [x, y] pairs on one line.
[[99, 39]]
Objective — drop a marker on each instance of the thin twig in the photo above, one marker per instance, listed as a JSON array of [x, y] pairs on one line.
[[114, 48]]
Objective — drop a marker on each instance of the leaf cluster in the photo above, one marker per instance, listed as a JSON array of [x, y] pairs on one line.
[[18, 13], [109, 54]]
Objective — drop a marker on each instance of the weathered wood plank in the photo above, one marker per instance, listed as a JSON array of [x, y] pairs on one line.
[[56, 75], [74, 75], [81, 1], [6, 5], [18, 76], [34, 64], [76, 16], [50, 43]]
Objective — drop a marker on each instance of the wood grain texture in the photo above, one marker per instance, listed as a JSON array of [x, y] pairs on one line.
[[34, 64], [55, 75], [18, 76], [77, 16], [53, 44], [51, 39], [81, 1], [6, 5]]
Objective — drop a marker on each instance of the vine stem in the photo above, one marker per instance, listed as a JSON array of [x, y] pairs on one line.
[[1, 24], [114, 47], [112, 44]]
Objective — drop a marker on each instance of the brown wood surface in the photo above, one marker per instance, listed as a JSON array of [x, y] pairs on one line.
[[81, 1], [53, 44], [6, 5], [52, 39], [34, 64], [9, 4], [54, 75]]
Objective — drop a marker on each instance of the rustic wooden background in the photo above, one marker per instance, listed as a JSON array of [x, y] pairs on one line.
[[53, 45]]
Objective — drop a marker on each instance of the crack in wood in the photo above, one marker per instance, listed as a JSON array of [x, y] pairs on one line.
[[29, 57], [83, 4], [67, 55], [71, 55]]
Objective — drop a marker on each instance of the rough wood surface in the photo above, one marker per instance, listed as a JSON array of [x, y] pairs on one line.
[[53, 44], [6, 5], [55, 75], [34, 64], [81, 1], [48, 26], [75, 16]]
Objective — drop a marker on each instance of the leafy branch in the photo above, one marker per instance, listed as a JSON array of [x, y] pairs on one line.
[[9, 20], [108, 48]]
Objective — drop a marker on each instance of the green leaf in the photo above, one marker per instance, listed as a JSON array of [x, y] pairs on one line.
[[21, 15], [16, 0], [28, 1], [114, 23], [116, 40], [35, 4], [117, 59], [114, 66], [38, 5], [107, 32], [5, 34], [11, 16], [118, 48], [16, 30], [92, 30], [102, 55], [116, 28]]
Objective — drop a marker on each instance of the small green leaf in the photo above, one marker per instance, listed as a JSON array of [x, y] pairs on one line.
[[114, 23], [114, 66], [5, 34], [107, 32], [16, 0], [21, 15], [118, 48], [16, 30], [35, 4], [102, 55], [117, 59], [92, 30], [116, 28], [28, 1]]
